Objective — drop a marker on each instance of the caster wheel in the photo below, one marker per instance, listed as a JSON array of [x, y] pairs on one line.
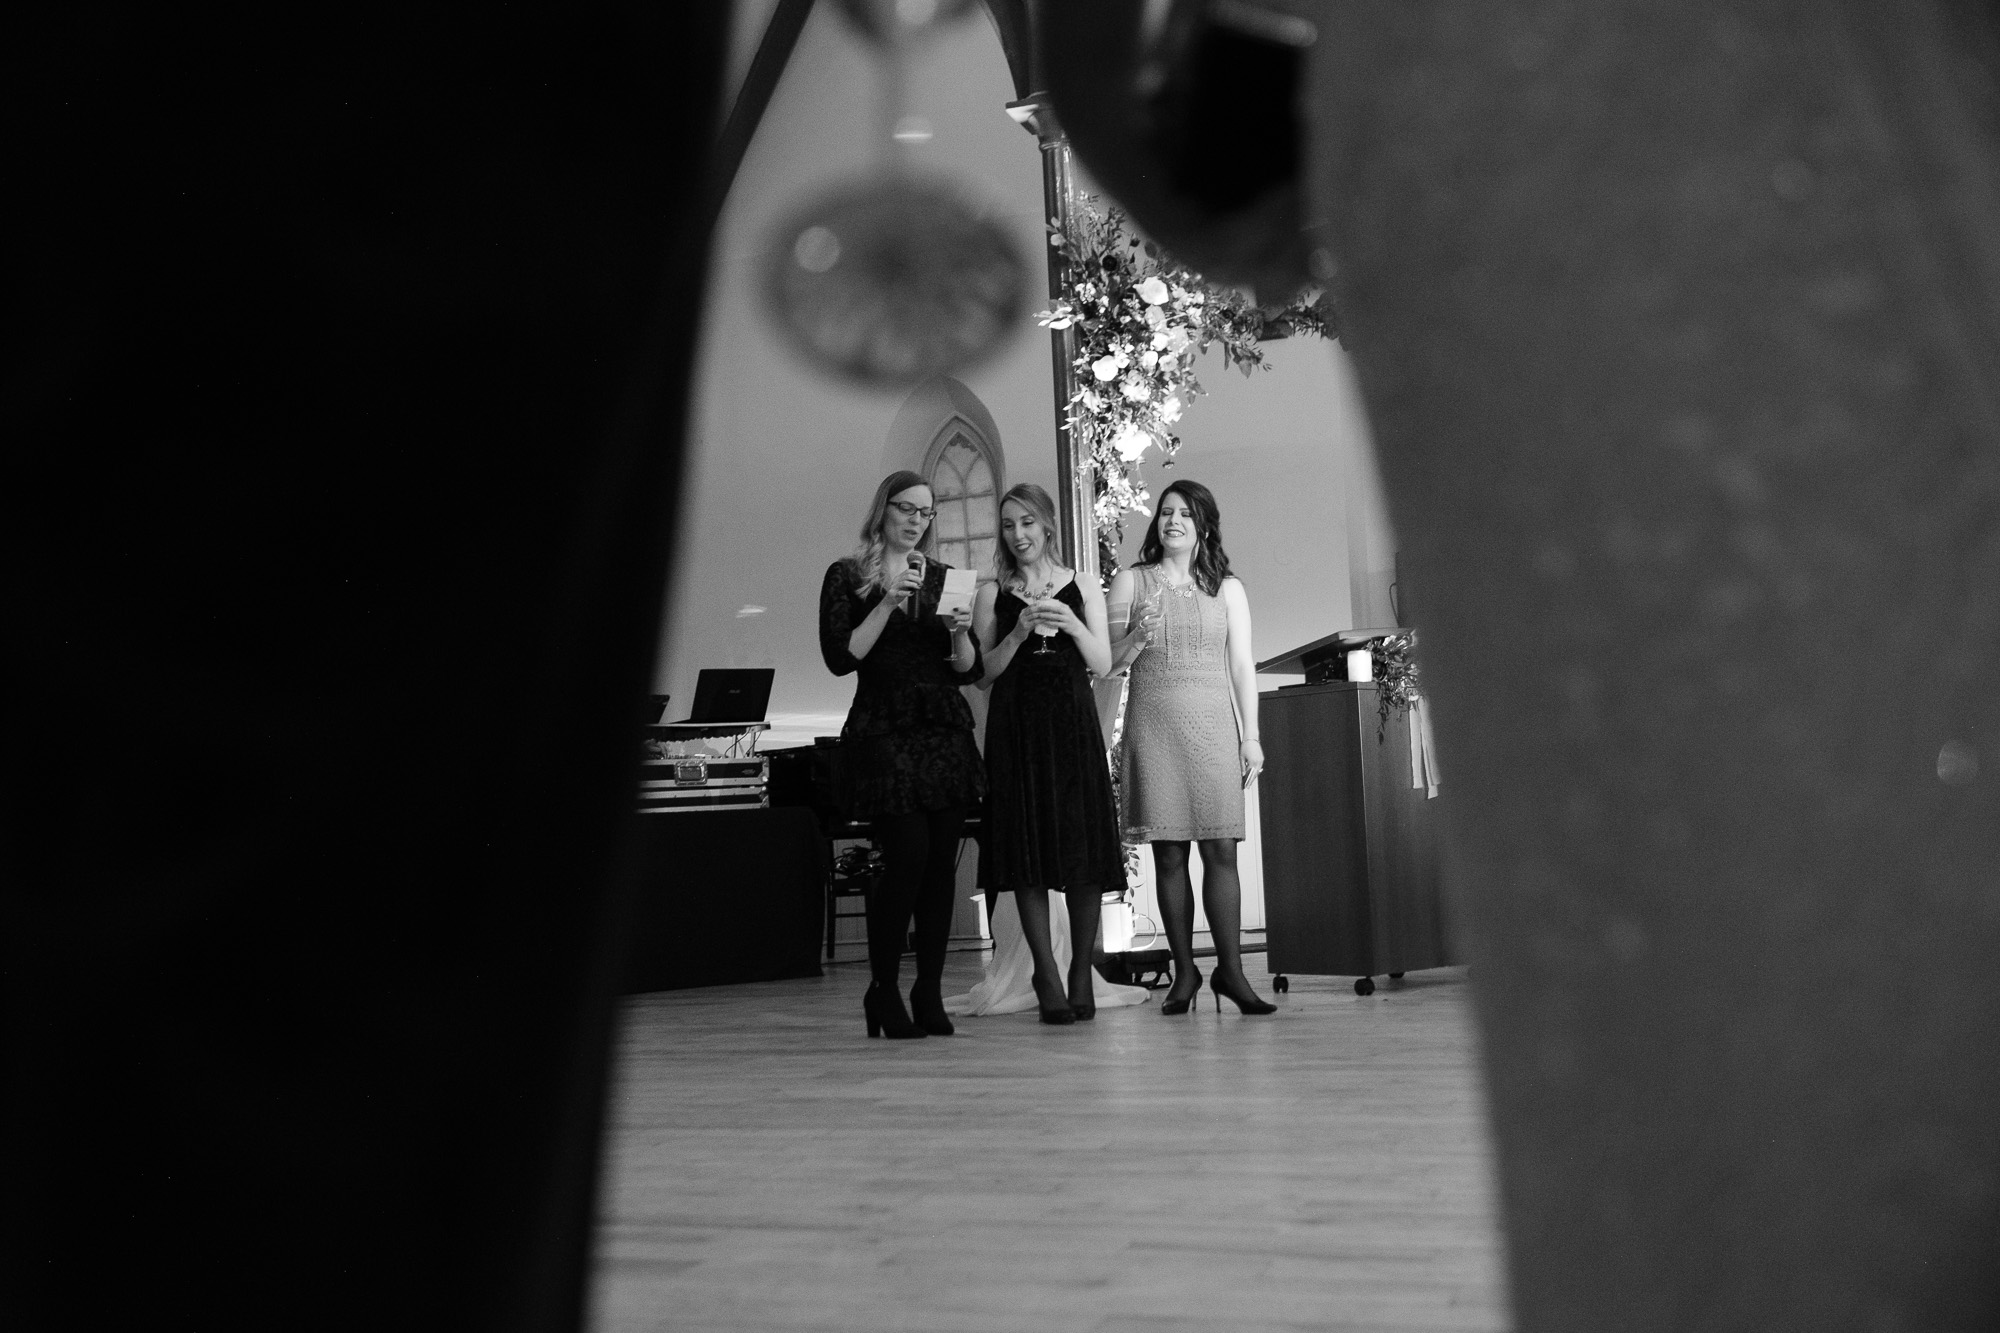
[[1365, 986], [1395, 976], [1280, 984]]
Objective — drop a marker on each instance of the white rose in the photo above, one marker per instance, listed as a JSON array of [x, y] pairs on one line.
[[1131, 442], [1105, 368], [1153, 291], [1149, 359], [1135, 388], [1171, 409]]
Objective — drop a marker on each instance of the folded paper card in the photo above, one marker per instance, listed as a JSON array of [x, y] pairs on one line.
[[959, 586]]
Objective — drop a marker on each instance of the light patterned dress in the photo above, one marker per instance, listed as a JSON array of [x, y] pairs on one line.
[[1178, 768]]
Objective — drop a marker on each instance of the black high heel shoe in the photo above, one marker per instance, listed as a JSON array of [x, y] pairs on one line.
[[1088, 1009], [883, 1008], [1247, 1003], [1062, 1016], [927, 1010], [1173, 1005]]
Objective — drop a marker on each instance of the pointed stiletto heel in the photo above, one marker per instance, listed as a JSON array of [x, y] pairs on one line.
[[883, 1008], [1172, 1006], [1247, 1003]]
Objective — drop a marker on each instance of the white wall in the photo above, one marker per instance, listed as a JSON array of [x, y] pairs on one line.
[[782, 461]]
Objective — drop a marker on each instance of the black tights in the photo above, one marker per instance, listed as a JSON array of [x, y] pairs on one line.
[[1221, 898], [1085, 904], [919, 875]]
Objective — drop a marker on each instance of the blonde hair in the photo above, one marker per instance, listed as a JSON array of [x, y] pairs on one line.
[[866, 562], [1037, 502]]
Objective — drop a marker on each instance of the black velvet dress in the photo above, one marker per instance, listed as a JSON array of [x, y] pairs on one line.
[[907, 746], [1050, 818]]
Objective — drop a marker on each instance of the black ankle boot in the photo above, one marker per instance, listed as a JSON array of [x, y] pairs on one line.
[[927, 1008], [886, 1016]]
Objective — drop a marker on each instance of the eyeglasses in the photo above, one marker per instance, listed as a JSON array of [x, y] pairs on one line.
[[908, 510]]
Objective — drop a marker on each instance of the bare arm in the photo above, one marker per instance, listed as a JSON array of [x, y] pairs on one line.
[[1243, 679], [998, 652], [965, 658], [1125, 639], [1095, 641]]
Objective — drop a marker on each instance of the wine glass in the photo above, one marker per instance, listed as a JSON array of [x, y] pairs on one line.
[[1151, 608], [1043, 633], [1147, 617]]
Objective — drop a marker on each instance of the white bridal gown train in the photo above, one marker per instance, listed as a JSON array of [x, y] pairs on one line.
[[1009, 986]]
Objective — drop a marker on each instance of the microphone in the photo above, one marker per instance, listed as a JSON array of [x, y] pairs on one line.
[[916, 562]]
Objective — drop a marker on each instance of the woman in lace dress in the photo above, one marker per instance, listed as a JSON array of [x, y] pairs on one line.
[[1190, 744], [910, 765]]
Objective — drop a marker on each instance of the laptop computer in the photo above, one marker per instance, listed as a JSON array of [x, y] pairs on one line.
[[731, 694]]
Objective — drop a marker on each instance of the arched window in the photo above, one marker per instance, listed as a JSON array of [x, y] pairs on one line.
[[962, 476]]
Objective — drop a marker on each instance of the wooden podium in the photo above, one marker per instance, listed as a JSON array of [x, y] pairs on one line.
[[1351, 883]]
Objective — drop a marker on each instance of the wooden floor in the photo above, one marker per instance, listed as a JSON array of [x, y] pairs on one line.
[[1325, 1168]]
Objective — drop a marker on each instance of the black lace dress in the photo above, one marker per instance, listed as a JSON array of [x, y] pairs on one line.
[[907, 746], [1050, 818]]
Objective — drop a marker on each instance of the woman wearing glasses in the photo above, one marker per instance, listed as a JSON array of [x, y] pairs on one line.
[[910, 765], [1190, 744]]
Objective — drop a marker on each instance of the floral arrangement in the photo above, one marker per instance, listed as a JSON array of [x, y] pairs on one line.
[[1395, 675], [1141, 319]]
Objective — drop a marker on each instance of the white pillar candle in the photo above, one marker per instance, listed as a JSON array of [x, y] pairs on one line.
[[1360, 664]]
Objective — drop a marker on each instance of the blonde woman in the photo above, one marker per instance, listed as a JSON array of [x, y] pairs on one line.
[[1051, 823], [911, 767]]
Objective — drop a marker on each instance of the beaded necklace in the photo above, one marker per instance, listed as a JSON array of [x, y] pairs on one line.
[[1020, 588], [1177, 589]]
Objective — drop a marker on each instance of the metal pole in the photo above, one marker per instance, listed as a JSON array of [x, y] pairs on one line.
[[1076, 489]]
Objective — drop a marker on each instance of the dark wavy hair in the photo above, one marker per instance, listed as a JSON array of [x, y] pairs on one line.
[[1210, 565]]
